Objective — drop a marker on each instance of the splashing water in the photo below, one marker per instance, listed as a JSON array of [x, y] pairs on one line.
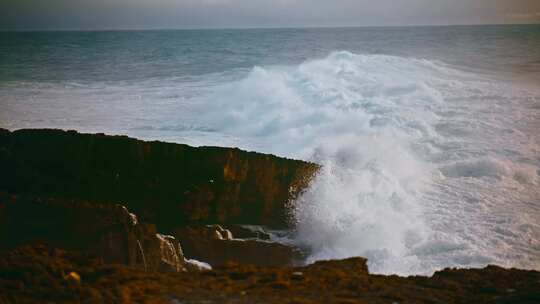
[[404, 145], [425, 165]]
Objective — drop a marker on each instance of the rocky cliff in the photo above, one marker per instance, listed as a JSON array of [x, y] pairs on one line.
[[108, 232], [114, 235], [167, 184]]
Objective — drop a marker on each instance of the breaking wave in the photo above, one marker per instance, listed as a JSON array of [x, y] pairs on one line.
[[425, 166], [399, 139]]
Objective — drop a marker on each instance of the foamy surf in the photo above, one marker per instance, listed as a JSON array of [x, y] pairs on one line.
[[425, 166], [406, 145]]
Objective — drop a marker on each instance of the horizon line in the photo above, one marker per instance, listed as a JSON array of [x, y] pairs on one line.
[[252, 27]]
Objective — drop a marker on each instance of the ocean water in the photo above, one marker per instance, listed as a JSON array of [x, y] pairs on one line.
[[429, 137]]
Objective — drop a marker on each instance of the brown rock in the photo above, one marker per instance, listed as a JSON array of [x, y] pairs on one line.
[[241, 232], [172, 258], [205, 243], [73, 279], [107, 231], [33, 274], [167, 184]]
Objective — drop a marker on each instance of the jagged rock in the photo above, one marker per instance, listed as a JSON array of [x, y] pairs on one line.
[[202, 244], [108, 231], [167, 184], [36, 274], [215, 232], [241, 232], [172, 259]]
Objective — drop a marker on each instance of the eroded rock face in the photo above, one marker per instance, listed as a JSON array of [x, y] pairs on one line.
[[171, 257], [217, 246], [107, 231], [166, 184]]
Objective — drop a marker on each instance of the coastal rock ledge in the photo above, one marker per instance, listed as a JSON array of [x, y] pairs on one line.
[[104, 219], [167, 184]]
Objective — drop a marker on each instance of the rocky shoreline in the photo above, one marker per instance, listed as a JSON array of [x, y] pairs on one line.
[[91, 218]]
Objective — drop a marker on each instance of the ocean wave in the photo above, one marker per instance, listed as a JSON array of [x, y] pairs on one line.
[[425, 165], [381, 127]]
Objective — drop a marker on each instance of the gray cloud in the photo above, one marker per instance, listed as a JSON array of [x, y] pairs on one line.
[[524, 16], [101, 14]]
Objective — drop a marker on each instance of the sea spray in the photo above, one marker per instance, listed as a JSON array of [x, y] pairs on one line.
[[359, 117], [426, 165], [364, 202], [394, 141]]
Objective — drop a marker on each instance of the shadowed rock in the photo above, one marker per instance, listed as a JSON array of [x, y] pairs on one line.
[[241, 232], [36, 274], [167, 184], [218, 246], [107, 231]]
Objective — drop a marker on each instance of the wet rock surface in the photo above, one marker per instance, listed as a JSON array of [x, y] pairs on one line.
[[219, 246], [242, 232]]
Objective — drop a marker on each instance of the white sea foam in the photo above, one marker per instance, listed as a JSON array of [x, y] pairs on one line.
[[424, 166], [398, 139], [200, 266]]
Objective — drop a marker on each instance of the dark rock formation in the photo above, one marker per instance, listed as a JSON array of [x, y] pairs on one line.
[[39, 274], [106, 231], [53, 178], [241, 232], [218, 246], [167, 184]]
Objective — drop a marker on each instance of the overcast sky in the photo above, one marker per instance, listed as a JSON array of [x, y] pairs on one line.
[[125, 14]]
